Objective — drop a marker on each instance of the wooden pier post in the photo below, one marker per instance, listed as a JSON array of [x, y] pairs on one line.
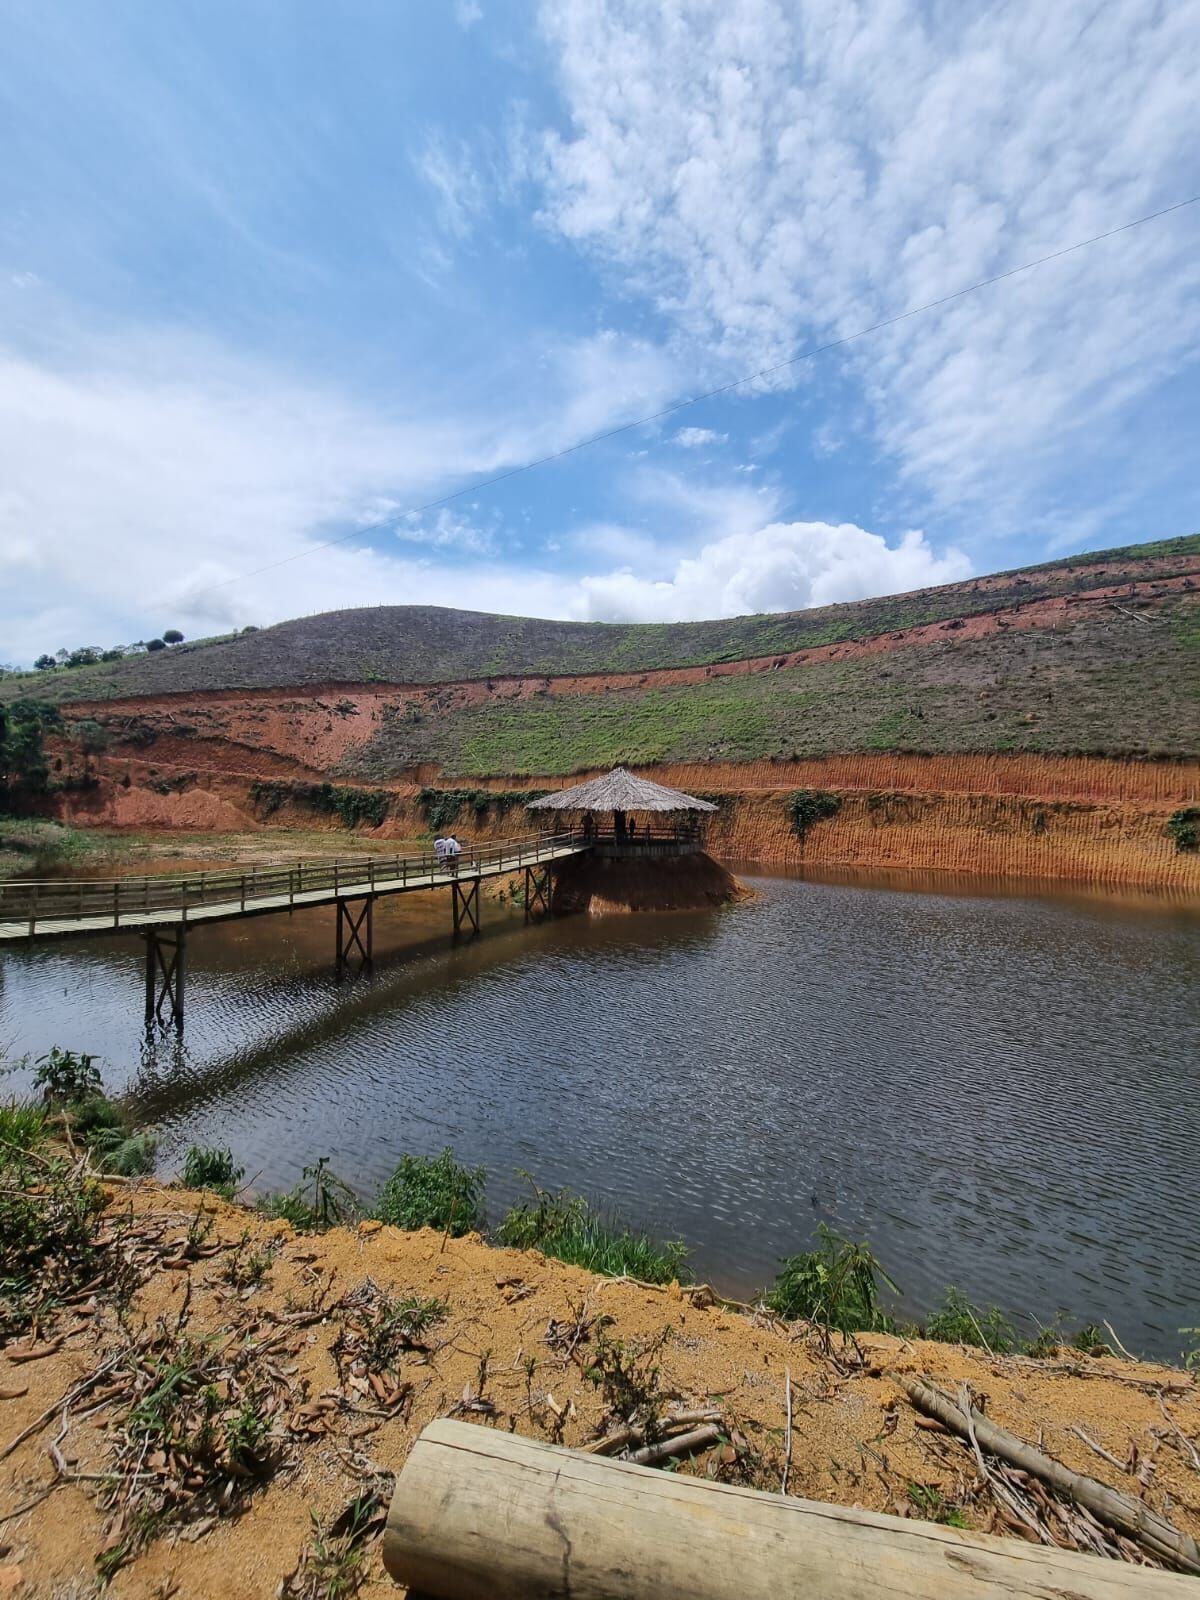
[[355, 933], [166, 965], [537, 892], [464, 904]]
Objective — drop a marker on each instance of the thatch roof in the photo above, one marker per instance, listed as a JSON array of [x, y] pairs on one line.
[[619, 790]]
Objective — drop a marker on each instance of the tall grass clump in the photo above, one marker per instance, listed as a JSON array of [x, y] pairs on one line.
[[565, 1226], [320, 1200], [22, 1125], [211, 1166], [433, 1192], [836, 1286], [957, 1321], [49, 1213]]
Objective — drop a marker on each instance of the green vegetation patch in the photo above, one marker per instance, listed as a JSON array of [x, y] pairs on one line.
[[212, 1167], [807, 807], [836, 1286], [565, 1226], [433, 1192], [443, 807], [1184, 828], [1092, 685], [349, 805], [957, 1321]]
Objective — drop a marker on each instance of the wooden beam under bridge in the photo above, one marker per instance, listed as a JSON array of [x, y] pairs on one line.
[[166, 967], [355, 932], [480, 1513]]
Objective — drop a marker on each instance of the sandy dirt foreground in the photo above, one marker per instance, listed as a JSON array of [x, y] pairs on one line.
[[512, 1351]]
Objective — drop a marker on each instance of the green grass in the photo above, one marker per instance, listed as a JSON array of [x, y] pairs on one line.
[[433, 1192], [568, 1228], [319, 1201], [30, 847], [211, 1167], [1093, 684], [957, 1321], [23, 1124]]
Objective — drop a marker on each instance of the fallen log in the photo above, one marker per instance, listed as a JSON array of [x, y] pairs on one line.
[[479, 1513], [1120, 1511]]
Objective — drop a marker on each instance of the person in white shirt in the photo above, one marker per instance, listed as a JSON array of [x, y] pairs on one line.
[[453, 851]]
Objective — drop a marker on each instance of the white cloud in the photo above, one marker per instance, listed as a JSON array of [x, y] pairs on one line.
[[695, 438], [772, 175], [783, 567], [446, 529], [137, 478], [467, 13], [458, 190]]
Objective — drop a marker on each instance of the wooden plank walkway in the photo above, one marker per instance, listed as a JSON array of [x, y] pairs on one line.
[[60, 909]]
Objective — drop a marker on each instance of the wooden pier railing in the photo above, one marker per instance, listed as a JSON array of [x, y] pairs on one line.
[[55, 906]]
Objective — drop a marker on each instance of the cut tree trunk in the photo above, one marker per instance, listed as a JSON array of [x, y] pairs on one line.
[[479, 1513]]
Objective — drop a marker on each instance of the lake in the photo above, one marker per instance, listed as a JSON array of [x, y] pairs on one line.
[[999, 1089]]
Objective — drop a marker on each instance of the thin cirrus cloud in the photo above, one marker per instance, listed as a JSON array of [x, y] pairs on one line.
[[768, 175]]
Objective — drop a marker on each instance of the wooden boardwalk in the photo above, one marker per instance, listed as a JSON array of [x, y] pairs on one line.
[[59, 909]]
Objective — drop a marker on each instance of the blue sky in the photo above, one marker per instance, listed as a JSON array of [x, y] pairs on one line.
[[271, 275]]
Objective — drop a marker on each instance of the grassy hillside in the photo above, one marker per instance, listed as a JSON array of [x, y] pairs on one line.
[[1104, 683], [425, 644]]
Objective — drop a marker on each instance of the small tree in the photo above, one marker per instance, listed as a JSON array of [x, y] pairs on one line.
[[44, 663], [156, 644], [172, 636], [92, 736]]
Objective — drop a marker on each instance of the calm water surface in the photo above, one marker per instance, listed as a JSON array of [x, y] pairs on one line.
[[1000, 1091]]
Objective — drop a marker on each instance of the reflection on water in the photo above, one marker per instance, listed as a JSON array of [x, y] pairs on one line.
[[1000, 1091]]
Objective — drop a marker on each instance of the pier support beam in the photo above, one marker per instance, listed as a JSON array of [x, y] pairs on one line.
[[537, 892], [355, 936], [464, 902], [166, 950]]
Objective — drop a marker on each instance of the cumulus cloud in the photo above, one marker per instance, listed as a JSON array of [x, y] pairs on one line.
[[694, 438], [772, 175], [785, 566]]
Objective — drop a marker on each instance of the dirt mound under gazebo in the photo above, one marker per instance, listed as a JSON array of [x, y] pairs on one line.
[[647, 848]]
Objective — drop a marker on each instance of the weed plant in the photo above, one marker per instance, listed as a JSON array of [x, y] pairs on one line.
[[836, 1287], [433, 1192], [565, 1226], [211, 1166]]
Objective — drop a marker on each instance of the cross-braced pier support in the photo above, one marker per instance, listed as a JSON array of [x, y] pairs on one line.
[[355, 936], [537, 893], [165, 968], [464, 899]]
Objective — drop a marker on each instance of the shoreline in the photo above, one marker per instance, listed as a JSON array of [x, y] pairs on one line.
[[515, 1340], [930, 839]]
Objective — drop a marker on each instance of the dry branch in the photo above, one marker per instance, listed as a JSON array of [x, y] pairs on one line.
[[1118, 1511]]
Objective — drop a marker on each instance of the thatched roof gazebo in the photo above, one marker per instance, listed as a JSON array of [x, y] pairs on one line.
[[624, 797]]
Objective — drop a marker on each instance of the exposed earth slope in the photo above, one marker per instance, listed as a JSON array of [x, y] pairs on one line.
[[1043, 722]]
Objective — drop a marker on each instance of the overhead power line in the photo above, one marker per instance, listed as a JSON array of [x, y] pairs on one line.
[[696, 399]]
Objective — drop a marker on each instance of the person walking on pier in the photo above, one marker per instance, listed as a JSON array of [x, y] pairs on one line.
[[453, 850]]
